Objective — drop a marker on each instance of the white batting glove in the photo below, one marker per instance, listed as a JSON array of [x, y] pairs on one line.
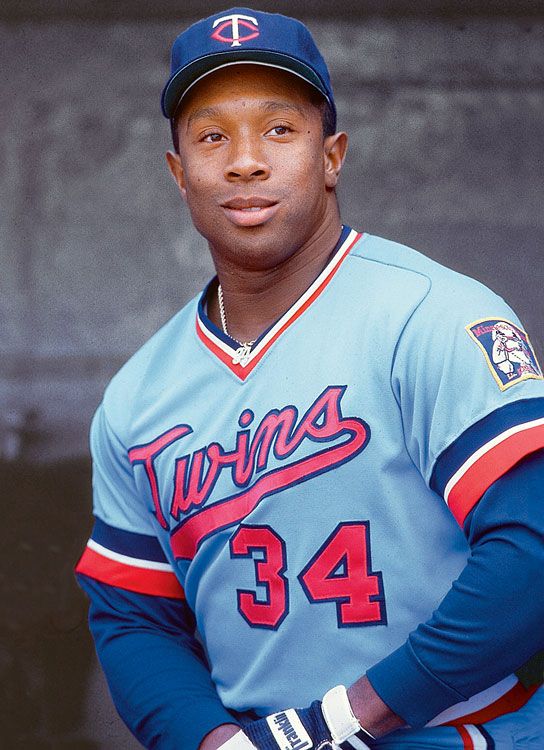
[[345, 729], [239, 741], [326, 725]]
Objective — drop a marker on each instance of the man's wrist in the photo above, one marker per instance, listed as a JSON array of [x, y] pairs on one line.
[[369, 709]]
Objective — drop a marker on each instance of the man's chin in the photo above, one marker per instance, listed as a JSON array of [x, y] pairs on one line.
[[252, 248]]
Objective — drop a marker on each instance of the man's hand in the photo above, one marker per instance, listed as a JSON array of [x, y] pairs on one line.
[[326, 725]]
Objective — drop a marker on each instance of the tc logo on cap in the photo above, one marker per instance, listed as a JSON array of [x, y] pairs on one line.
[[235, 22]]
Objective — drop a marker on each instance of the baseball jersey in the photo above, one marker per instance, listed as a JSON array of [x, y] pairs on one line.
[[307, 498]]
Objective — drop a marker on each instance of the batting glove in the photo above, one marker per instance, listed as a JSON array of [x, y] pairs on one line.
[[326, 725]]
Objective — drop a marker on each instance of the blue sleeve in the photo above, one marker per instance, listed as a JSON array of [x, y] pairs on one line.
[[155, 668], [490, 622]]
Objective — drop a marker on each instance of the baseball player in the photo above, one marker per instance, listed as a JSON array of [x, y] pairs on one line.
[[304, 539]]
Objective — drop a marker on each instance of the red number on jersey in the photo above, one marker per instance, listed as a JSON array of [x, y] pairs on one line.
[[341, 572], [268, 573]]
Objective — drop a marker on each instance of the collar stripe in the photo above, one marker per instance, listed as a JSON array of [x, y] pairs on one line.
[[226, 353]]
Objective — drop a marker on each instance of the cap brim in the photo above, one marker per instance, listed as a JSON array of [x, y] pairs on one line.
[[185, 78]]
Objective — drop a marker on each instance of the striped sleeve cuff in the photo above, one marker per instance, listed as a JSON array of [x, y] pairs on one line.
[[404, 696], [130, 561], [485, 452], [421, 699]]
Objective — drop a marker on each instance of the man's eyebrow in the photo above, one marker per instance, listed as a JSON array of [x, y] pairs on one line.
[[202, 112], [272, 105]]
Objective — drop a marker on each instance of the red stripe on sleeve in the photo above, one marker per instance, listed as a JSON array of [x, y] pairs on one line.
[[491, 466], [129, 577]]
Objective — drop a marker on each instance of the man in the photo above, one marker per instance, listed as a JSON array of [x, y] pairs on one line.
[[316, 476]]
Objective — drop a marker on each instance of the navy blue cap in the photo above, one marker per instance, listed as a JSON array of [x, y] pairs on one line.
[[242, 35]]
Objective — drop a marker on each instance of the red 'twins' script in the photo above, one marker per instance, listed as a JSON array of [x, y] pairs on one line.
[[281, 432]]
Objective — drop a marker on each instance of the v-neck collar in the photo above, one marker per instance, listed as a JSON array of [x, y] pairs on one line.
[[224, 347]]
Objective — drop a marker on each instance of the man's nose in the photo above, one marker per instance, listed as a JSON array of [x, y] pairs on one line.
[[246, 161]]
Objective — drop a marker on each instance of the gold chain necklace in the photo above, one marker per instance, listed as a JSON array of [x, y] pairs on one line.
[[241, 355]]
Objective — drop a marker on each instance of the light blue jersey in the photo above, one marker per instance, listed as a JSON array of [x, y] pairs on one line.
[[305, 494]]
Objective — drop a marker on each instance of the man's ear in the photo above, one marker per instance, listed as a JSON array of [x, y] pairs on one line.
[[176, 170], [334, 151]]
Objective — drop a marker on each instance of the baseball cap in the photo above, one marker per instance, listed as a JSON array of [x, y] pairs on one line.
[[242, 35]]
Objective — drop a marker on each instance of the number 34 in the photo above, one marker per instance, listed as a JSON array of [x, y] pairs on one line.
[[339, 572]]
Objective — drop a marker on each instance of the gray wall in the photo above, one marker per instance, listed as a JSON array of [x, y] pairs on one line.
[[445, 119], [445, 116]]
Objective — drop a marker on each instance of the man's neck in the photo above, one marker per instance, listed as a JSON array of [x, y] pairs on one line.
[[254, 300]]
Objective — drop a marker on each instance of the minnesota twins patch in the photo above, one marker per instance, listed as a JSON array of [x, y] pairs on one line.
[[507, 350]]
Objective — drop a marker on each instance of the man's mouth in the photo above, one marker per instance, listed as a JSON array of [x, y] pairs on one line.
[[249, 212]]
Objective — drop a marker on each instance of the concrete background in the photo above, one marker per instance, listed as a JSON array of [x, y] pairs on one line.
[[444, 104]]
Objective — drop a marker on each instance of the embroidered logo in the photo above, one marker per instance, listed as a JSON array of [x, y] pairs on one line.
[[235, 22], [326, 439], [507, 350]]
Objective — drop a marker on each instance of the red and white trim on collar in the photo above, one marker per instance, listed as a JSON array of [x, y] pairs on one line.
[[489, 463], [225, 352]]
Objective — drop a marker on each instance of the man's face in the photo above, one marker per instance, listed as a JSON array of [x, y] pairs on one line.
[[253, 165]]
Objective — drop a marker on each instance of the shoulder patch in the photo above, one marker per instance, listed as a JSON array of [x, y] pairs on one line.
[[507, 351]]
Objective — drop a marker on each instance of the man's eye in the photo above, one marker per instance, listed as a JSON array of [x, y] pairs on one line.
[[279, 130], [212, 137]]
